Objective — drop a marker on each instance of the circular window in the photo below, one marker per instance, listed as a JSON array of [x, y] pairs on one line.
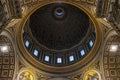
[[59, 12]]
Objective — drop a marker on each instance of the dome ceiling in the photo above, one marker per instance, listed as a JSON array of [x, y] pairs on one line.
[[59, 26], [59, 34], [59, 37]]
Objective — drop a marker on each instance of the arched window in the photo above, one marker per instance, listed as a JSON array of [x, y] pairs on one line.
[[71, 58], [59, 60], [82, 52], [36, 52], [27, 43], [47, 58], [90, 43]]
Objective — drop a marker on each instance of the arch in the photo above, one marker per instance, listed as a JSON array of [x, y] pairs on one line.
[[7, 58], [111, 56]]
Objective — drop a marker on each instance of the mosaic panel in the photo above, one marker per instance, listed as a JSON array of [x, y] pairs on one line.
[[7, 60], [26, 75], [111, 60]]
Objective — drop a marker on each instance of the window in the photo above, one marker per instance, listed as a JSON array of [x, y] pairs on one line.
[[71, 58], [22, 31], [27, 43], [36, 52], [59, 60], [47, 58], [90, 43], [113, 48], [82, 52], [4, 48]]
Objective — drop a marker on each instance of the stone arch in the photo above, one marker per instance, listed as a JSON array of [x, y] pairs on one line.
[[7, 59], [111, 59]]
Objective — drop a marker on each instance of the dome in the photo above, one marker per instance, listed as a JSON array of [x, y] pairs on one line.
[[59, 36], [59, 26], [58, 32]]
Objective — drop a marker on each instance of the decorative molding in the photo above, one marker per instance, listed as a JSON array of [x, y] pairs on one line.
[[114, 15], [102, 8]]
